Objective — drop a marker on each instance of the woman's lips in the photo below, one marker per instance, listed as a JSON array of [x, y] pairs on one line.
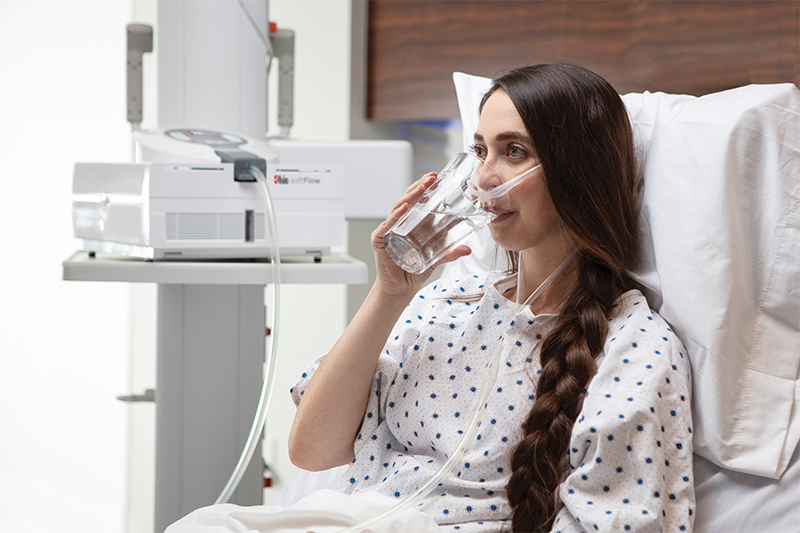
[[500, 216]]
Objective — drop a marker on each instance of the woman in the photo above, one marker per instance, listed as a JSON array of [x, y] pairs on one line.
[[596, 421], [588, 426]]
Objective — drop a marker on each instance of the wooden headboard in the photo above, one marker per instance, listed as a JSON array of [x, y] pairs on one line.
[[689, 47]]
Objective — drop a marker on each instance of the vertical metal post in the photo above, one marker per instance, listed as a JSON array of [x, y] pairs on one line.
[[209, 371]]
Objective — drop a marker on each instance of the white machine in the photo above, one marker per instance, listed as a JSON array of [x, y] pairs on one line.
[[195, 197]]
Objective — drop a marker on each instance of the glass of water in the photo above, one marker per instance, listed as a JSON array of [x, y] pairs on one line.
[[444, 217]]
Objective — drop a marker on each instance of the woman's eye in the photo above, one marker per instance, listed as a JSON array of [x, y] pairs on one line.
[[516, 151], [478, 151]]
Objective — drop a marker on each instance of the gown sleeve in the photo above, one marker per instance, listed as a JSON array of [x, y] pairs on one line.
[[630, 456], [402, 340]]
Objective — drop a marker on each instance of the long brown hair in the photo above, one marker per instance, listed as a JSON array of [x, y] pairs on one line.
[[580, 129]]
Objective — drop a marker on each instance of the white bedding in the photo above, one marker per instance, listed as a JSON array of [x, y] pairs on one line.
[[735, 502], [323, 511]]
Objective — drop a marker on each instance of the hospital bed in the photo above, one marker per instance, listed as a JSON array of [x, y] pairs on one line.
[[720, 261]]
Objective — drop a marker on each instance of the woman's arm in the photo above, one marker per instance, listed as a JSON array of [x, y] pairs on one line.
[[329, 416], [330, 413]]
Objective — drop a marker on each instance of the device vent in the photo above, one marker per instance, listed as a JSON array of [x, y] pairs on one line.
[[211, 226]]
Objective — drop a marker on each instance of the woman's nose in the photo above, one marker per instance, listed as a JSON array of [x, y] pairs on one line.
[[487, 177]]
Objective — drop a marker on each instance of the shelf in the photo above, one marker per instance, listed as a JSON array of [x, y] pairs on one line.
[[294, 270]]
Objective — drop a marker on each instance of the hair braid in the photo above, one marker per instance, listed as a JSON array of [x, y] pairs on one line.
[[567, 357], [580, 130]]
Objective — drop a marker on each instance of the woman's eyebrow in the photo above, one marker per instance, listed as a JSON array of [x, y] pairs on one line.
[[512, 135], [505, 136]]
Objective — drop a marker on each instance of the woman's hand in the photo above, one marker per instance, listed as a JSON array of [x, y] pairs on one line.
[[391, 279]]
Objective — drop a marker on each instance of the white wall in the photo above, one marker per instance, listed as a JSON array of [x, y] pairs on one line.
[[65, 346]]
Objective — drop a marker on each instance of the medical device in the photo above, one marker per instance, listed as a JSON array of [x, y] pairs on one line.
[[200, 187], [195, 196], [201, 196]]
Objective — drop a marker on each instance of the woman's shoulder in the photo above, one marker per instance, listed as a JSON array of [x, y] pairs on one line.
[[632, 308], [635, 330], [642, 358]]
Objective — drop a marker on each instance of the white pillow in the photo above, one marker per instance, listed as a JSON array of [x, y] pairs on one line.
[[721, 219]]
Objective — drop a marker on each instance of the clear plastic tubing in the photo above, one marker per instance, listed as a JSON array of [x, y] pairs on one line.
[[489, 378], [269, 379]]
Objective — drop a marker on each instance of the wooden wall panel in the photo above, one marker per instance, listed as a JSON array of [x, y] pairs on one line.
[[692, 47]]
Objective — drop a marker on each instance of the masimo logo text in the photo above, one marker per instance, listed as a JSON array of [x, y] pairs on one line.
[[281, 179]]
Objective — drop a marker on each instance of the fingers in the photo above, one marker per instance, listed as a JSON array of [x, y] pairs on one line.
[[429, 177], [416, 190], [403, 204], [396, 214], [458, 252]]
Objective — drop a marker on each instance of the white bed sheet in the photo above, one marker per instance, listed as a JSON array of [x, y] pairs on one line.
[[734, 502], [323, 511]]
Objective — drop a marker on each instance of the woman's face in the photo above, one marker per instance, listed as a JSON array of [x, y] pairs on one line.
[[529, 219]]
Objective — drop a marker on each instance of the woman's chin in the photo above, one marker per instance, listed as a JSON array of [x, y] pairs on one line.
[[503, 239]]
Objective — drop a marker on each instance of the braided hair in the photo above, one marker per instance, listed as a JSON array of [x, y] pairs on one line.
[[580, 129]]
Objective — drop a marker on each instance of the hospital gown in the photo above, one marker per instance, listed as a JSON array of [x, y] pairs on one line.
[[630, 453]]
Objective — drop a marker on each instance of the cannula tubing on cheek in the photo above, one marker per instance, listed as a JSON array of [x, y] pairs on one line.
[[495, 198]]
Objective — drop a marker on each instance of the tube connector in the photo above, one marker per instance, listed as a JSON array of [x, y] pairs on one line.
[[242, 161]]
